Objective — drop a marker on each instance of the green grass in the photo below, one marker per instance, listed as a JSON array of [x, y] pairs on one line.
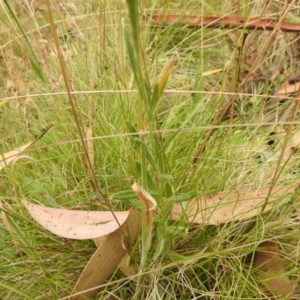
[[114, 98]]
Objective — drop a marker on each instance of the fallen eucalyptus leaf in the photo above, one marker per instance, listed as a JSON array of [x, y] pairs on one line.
[[74, 224], [11, 156], [107, 257], [268, 261], [230, 206], [99, 241]]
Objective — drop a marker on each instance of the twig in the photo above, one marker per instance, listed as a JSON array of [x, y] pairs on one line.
[[224, 22]]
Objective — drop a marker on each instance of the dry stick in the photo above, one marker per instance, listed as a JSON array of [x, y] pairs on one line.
[[72, 101], [225, 22]]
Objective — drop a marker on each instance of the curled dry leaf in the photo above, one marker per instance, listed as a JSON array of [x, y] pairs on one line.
[[230, 206], [144, 196], [272, 271], [74, 224], [11, 156], [107, 257], [127, 268]]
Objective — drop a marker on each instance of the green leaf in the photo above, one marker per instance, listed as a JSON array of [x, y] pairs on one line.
[[176, 231], [51, 203], [148, 151], [134, 17], [168, 189], [168, 141], [89, 198], [184, 196], [2, 235], [150, 181], [155, 98], [124, 195], [37, 70], [136, 204], [131, 128], [131, 53], [165, 176]]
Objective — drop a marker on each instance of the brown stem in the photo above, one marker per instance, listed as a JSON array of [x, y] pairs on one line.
[[224, 22]]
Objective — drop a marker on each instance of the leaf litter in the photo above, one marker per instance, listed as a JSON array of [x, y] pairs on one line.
[[107, 257], [113, 242], [11, 156], [272, 270], [113, 238], [74, 224], [230, 206]]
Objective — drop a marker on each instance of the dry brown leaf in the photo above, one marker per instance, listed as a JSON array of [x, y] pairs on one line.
[[90, 148], [287, 88], [230, 206], [107, 257], [76, 224], [288, 152], [99, 241], [127, 268], [10, 156], [144, 196], [268, 261]]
